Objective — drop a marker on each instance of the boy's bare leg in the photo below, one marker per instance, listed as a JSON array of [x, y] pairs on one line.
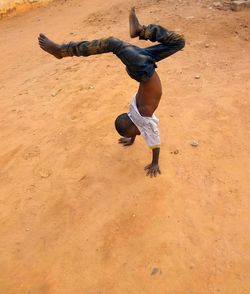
[[134, 26], [49, 46]]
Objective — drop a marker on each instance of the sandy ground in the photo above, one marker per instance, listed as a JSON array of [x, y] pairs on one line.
[[77, 213]]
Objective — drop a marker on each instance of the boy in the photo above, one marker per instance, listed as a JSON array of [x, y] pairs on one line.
[[140, 65]]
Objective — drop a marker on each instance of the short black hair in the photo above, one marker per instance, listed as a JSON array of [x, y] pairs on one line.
[[123, 123]]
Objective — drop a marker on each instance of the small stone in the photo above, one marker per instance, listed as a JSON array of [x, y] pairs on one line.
[[189, 17], [206, 45], [191, 266], [176, 151], [194, 143], [240, 5], [243, 25], [197, 77], [155, 271], [91, 87], [218, 5], [45, 173], [53, 94]]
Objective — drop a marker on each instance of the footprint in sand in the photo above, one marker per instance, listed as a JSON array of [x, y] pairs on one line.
[[44, 173], [8, 157], [31, 152]]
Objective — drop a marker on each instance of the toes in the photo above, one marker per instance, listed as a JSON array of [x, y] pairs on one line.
[[42, 35], [41, 40], [41, 44], [43, 47]]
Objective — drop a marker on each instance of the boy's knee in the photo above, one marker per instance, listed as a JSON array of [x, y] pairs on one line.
[[113, 40], [113, 43], [182, 43]]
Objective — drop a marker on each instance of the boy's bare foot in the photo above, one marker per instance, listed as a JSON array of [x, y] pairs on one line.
[[134, 26], [49, 46]]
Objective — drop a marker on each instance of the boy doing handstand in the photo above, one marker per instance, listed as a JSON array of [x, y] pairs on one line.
[[140, 65]]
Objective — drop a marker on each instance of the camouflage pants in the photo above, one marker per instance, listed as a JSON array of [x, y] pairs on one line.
[[140, 62]]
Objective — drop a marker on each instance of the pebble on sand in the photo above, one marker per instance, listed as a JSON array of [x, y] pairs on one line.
[[176, 151], [53, 94], [155, 271], [194, 143], [45, 173], [189, 17], [197, 77], [218, 5]]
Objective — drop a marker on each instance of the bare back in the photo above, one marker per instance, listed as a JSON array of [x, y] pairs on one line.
[[149, 95]]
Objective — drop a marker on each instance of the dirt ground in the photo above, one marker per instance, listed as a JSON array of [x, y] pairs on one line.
[[77, 213]]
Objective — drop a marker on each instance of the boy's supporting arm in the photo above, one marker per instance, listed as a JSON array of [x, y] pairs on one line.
[[153, 168]]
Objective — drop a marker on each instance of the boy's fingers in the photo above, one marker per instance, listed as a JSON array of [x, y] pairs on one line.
[[121, 141]]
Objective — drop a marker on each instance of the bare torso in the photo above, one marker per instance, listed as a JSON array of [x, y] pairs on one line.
[[149, 95]]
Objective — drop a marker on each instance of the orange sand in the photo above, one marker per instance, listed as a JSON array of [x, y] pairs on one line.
[[77, 213]]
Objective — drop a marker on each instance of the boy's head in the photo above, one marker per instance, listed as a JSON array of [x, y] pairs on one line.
[[125, 127]]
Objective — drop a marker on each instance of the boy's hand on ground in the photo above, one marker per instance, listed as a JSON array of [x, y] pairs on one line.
[[152, 169], [126, 141]]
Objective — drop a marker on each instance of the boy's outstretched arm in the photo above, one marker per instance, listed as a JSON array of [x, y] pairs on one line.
[[153, 168]]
